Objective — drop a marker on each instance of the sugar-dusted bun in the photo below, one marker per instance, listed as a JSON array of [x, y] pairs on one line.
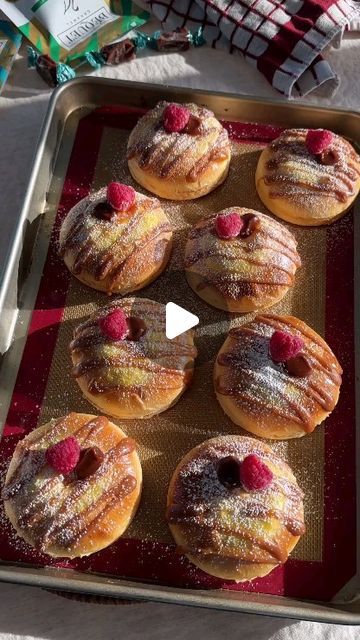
[[179, 165], [65, 515], [140, 375], [245, 273], [261, 395], [225, 529], [116, 252], [306, 188]]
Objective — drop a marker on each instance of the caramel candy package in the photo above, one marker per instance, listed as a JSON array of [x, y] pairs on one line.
[[68, 29]]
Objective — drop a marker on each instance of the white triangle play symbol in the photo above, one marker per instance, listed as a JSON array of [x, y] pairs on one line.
[[178, 320]]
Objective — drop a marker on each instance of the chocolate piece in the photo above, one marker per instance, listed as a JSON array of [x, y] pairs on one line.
[[251, 224], [299, 366], [104, 211], [118, 52], [137, 328], [90, 461], [328, 157], [194, 126], [47, 69], [229, 472], [177, 40]]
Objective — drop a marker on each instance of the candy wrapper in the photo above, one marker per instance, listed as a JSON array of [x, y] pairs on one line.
[[116, 53], [162, 41], [67, 29], [178, 40], [10, 41]]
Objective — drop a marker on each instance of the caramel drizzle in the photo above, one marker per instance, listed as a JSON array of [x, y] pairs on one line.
[[147, 309], [235, 285], [233, 289], [106, 264], [164, 360], [93, 338], [172, 158], [249, 509], [286, 274], [77, 527], [91, 364], [217, 152], [316, 392], [336, 181], [66, 525], [213, 533], [109, 260], [32, 463], [268, 228], [33, 460], [332, 369], [296, 412], [213, 545], [111, 269], [164, 153], [196, 513], [71, 240], [31, 514], [323, 366]]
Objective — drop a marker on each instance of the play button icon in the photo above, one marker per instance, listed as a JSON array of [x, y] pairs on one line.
[[178, 320]]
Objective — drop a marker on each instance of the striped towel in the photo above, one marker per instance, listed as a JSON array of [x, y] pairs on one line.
[[283, 39]]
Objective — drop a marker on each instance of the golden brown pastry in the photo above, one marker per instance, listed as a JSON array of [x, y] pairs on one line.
[[234, 508], [276, 377], [125, 365], [116, 240], [73, 485], [179, 151], [240, 260], [308, 176]]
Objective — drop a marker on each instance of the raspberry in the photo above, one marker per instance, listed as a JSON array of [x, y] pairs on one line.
[[255, 475], [120, 196], [175, 118], [64, 455], [228, 225], [284, 346], [317, 140], [114, 325]]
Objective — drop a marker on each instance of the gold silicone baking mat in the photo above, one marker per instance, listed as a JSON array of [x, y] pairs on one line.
[[164, 439]]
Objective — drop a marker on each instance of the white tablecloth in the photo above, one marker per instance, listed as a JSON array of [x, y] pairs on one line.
[[27, 612]]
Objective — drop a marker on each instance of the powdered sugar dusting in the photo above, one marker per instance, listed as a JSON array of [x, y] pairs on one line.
[[216, 520], [127, 368], [268, 257], [59, 513], [263, 388], [100, 250], [309, 181], [181, 155]]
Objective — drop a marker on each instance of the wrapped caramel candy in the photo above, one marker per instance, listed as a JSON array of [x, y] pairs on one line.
[[67, 29]]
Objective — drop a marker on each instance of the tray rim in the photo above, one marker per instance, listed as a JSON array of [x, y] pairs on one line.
[[98, 585], [116, 587], [179, 90]]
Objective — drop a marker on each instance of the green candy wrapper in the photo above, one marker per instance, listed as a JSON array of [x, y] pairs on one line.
[[115, 53], [68, 29]]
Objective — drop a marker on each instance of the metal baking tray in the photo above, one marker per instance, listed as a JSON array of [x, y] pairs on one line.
[[20, 274]]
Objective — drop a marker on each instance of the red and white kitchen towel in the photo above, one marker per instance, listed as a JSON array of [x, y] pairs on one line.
[[283, 39]]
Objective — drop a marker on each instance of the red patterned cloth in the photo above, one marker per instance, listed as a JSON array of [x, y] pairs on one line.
[[283, 39]]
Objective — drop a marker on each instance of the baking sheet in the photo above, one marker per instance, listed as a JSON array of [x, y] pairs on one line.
[[323, 462]]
